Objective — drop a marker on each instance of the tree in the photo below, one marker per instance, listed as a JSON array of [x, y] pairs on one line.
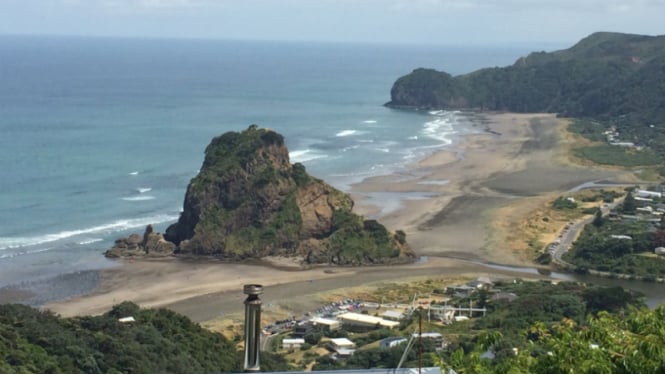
[[598, 219], [604, 344], [628, 206]]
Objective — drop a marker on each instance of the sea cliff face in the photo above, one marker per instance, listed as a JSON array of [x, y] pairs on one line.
[[249, 201]]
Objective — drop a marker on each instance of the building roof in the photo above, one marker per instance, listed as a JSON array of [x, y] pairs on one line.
[[393, 314], [293, 341], [428, 335], [324, 321], [392, 339], [341, 342], [368, 320]]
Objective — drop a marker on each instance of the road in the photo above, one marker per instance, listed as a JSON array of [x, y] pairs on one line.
[[569, 235]]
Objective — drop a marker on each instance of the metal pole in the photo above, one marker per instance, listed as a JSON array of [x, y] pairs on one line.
[[252, 327], [420, 339]]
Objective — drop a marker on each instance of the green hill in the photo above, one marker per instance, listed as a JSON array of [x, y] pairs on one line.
[[159, 341], [604, 76]]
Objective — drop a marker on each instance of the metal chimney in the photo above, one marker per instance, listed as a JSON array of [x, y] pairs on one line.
[[252, 327]]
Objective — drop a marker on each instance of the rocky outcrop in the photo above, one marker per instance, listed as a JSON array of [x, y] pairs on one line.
[[151, 244], [248, 201]]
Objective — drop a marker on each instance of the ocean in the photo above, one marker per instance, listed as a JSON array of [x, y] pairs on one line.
[[100, 136]]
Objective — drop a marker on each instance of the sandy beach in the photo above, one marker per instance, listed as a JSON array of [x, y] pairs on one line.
[[447, 204]]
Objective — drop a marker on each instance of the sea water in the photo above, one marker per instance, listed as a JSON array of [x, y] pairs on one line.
[[99, 136]]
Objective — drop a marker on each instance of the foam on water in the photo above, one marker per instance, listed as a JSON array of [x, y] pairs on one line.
[[138, 198], [369, 121], [107, 228], [346, 133], [143, 189], [440, 129], [23, 253], [134, 173], [89, 241], [304, 155]]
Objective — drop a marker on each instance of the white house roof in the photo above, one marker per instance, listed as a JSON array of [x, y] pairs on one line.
[[325, 321], [393, 314], [293, 341], [342, 342], [368, 320]]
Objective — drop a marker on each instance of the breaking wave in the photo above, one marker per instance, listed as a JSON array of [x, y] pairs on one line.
[[107, 228]]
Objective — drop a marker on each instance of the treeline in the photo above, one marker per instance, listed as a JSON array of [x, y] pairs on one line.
[[159, 341]]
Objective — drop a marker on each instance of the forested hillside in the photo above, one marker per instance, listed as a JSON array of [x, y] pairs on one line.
[[159, 341], [604, 76]]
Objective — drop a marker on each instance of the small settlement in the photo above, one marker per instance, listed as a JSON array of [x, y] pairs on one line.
[[344, 326]]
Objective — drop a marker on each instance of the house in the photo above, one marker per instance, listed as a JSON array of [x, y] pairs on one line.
[[645, 193], [303, 328], [391, 342], [290, 344], [356, 321], [481, 282], [342, 347], [325, 323], [392, 315], [646, 209], [436, 337], [460, 290]]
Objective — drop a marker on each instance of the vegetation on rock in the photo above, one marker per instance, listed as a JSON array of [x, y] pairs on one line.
[[249, 201]]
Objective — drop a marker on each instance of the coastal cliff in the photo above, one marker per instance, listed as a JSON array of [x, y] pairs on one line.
[[249, 201], [604, 75]]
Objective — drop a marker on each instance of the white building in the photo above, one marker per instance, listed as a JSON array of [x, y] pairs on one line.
[[326, 323], [289, 344], [645, 193], [659, 251], [393, 315], [343, 347], [391, 342], [365, 321]]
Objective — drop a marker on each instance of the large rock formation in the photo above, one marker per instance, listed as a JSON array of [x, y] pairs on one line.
[[248, 201]]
